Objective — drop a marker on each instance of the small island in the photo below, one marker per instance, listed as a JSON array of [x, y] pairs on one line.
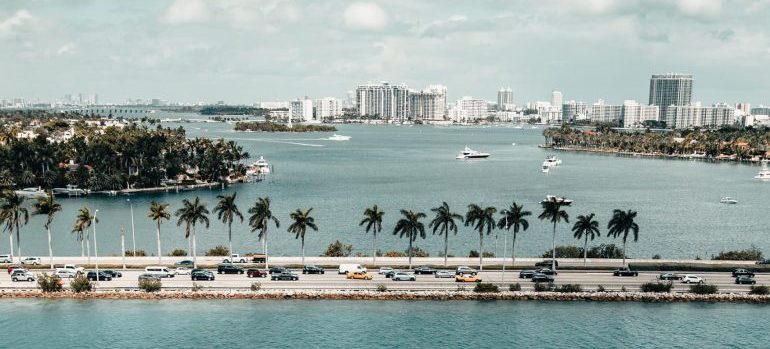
[[267, 126]]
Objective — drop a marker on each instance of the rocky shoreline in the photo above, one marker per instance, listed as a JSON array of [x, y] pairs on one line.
[[398, 296]]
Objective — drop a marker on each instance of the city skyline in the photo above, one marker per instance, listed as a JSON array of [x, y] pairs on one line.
[[243, 52]]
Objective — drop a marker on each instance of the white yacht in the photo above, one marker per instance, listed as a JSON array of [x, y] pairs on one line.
[[70, 190], [551, 161], [728, 200], [337, 137], [557, 199], [259, 167], [32, 193], [469, 153]]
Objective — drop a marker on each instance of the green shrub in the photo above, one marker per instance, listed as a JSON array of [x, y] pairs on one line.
[[514, 287], [543, 287], [178, 253], [600, 288], [382, 288], [418, 252], [81, 284], [196, 287], [605, 251], [218, 250], [759, 289], [703, 289], [395, 254], [256, 286], [151, 285], [460, 288], [338, 249], [475, 254], [749, 254], [657, 256], [484, 287], [565, 252], [569, 288], [137, 253], [658, 287], [49, 283]]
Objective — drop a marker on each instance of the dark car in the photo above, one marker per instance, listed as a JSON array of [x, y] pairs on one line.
[[112, 273], [465, 270], [625, 272], [256, 273], [546, 271], [669, 276], [538, 277], [102, 276], [312, 269], [201, 274], [186, 263], [745, 280], [277, 270], [229, 269], [286, 275], [259, 258], [389, 274], [742, 272], [526, 274], [547, 263], [763, 261], [424, 270]]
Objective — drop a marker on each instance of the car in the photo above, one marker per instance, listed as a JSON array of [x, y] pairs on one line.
[[235, 258], [625, 272], [91, 275], [385, 270], [259, 258], [6, 258], [182, 271], [160, 271], [546, 271], [389, 274], [31, 261], [312, 269], [256, 273], [403, 276], [424, 270], [742, 272], [359, 275], [443, 274], [669, 276], [277, 270], [284, 275], [227, 268], [761, 261], [149, 277], [464, 269], [691, 279], [22, 275], [547, 263], [467, 278], [77, 269], [201, 274], [526, 274], [112, 273], [185, 262], [65, 273], [745, 280], [539, 277], [11, 268]]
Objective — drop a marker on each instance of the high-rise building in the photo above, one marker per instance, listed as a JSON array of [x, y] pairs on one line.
[[505, 99], [556, 99], [670, 89], [635, 114], [697, 116], [301, 110], [428, 104], [573, 111], [327, 108], [469, 108], [603, 112], [383, 100]]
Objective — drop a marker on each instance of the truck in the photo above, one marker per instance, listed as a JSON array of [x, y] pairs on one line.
[[346, 268]]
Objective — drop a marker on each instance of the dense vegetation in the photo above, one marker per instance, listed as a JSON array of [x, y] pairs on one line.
[[276, 127], [602, 251], [233, 110], [744, 143], [749, 254], [659, 287]]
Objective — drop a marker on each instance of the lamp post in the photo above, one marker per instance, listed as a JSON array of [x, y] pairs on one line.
[[505, 244], [96, 251], [133, 232], [123, 246]]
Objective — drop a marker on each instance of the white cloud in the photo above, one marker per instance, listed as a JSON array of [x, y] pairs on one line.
[[186, 11], [18, 20], [700, 8], [66, 49], [365, 15]]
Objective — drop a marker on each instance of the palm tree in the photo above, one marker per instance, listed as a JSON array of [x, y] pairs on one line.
[[444, 222], [514, 216], [83, 223], [260, 220], [13, 214], [158, 212], [227, 210], [481, 219], [302, 221], [191, 213], [411, 227], [552, 211], [586, 227], [48, 207], [373, 221], [622, 222]]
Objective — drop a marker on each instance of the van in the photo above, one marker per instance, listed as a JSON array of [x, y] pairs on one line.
[[161, 272], [5, 258], [345, 268]]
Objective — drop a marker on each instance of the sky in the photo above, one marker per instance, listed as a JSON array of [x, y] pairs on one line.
[[248, 51]]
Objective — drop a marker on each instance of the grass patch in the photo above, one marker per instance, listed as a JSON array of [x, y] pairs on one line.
[[659, 287]]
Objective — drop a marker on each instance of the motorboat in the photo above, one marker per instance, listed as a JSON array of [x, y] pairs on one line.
[[70, 190], [469, 153], [32, 193], [259, 167], [764, 175], [728, 200], [519, 127], [337, 137], [551, 161], [558, 199]]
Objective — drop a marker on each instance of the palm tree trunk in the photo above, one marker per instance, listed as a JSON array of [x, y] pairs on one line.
[[10, 242], [553, 247], [481, 251], [446, 244], [374, 248], [157, 238], [303, 250], [230, 239], [88, 248], [50, 250], [189, 245], [409, 252], [194, 254], [624, 252], [513, 250], [585, 250], [82, 248], [18, 242], [264, 247]]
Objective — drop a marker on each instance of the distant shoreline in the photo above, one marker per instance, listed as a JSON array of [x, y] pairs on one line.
[[653, 155]]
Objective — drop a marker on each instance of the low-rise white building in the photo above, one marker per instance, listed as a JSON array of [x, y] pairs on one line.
[[635, 114], [301, 110], [327, 108]]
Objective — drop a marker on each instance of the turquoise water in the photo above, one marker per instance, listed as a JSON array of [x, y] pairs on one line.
[[370, 324], [414, 167]]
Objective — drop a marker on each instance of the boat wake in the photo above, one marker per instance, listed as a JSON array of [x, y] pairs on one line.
[[278, 141]]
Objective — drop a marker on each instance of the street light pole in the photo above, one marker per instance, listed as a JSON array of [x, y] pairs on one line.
[[123, 246], [96, 251], [505, 244], [133, 233]]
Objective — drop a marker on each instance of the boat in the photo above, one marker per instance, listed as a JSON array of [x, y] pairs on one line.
[[545, 169], [555, 198], [728, 200], [32, 193], [551, 161], [70, 190], [469, 153], [764, 175], [337, 137], [519, 127], [259, 167]]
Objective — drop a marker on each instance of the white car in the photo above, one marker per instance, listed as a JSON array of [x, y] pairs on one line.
[[74, 267], [6, 258], [31, 260], [182, 271], [65, 273], [22, 275], [235, 258], [444, 274], [402, 276], [691, 279], [385, 270]]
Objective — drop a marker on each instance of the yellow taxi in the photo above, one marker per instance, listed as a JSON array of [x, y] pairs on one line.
[[358, 275], [467, 278]]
